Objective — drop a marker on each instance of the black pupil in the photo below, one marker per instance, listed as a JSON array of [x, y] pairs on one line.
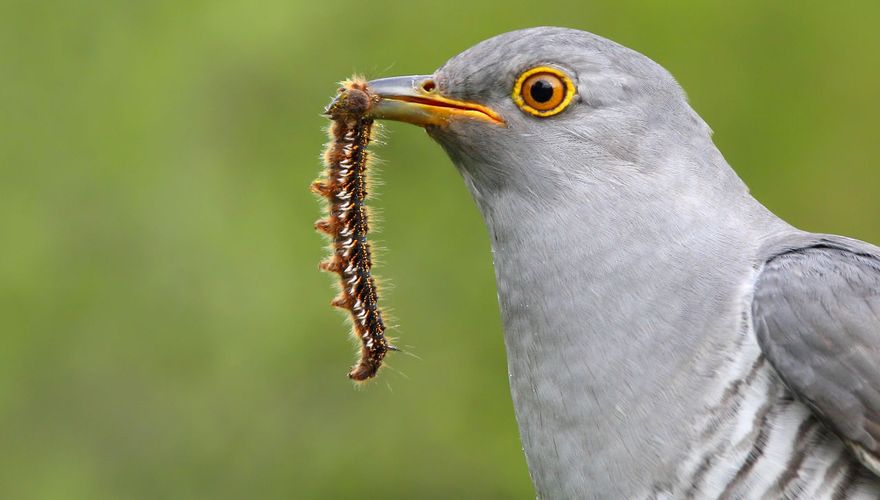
[[541, 91]]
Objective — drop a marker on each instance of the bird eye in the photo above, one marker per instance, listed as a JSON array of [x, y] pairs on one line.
[[543, 91]]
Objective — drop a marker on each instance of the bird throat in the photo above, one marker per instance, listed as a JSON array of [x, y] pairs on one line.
[[602, 315]]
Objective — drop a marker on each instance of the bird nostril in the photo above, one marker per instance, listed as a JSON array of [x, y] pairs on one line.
[[429, 85]]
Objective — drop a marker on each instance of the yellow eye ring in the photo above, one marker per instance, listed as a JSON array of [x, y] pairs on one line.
[[543, 91]]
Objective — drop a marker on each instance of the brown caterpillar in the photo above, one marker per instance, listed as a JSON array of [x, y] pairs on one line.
[[344, 185]]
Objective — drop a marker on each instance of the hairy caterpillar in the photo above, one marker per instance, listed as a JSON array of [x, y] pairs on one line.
[[344, 185]]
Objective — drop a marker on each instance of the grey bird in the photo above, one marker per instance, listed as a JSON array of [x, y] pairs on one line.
[[667, 336]]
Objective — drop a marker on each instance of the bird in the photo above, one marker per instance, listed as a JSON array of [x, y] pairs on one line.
[[667, 336]]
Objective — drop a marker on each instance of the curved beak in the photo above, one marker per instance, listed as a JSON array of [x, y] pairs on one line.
[[416, 100]]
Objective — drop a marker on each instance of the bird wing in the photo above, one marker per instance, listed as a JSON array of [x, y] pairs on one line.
[[816, 313]]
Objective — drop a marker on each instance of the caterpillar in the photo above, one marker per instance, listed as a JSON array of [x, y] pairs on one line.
[[344, 185]]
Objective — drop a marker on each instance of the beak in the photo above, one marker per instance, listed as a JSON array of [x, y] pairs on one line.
[[416, 100]]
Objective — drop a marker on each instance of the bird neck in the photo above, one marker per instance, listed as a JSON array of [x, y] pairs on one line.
[[609, 298]]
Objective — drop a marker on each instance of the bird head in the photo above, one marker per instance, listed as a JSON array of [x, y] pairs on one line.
[[537, 111]]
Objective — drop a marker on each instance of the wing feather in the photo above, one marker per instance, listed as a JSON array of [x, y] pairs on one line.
[[816, 313]]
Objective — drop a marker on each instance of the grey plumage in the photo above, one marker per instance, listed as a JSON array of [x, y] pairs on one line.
[[817, 318], [667, 335]]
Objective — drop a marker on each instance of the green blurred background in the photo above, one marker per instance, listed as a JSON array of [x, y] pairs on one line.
[[165, 330]]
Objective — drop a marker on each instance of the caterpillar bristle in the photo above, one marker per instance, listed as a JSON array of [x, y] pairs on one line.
[[330, 265], [325, 226], [340, 301], [321, 187], [364, 370]]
